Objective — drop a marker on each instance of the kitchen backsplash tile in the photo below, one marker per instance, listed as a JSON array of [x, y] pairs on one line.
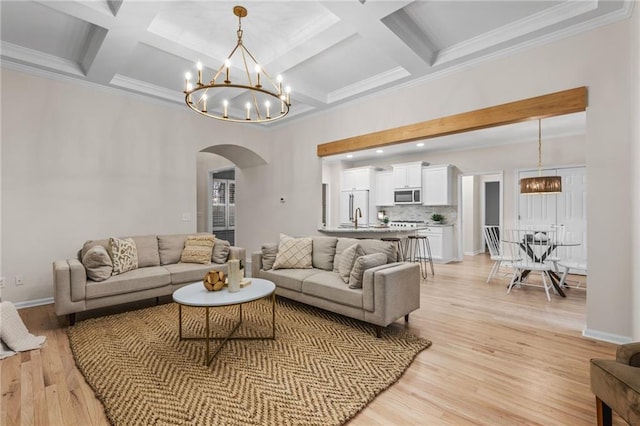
[[418, 212]]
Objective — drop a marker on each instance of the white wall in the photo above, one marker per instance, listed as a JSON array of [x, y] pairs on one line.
[[635, 167], [124, 166], [80, 163]]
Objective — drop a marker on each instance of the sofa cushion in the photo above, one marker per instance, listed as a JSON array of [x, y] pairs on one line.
[[220, 252], [329, 286], [324, 249], [293, 253], [342, 244], [289, 278], [191, 272], [124, 255], [128, 282], [147, 247], [370, 246], [170, 247], [198, 249], [347, 259], [92, 243], [98, 263], [363, 263], [269, 252]]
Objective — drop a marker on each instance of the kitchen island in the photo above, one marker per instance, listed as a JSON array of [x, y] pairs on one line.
[[370, 232]]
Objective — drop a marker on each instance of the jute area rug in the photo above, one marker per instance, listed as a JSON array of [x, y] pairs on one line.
[[321, 369]]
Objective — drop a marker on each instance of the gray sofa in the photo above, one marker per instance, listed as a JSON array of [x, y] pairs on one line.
[[389, 291], [159, 273]]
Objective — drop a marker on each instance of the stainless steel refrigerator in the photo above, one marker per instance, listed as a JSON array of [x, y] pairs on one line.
[[349, 202]]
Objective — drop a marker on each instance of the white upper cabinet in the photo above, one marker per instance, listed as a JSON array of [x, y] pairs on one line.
[[358, 178], [437, 185], [384, 188], [407, 175]]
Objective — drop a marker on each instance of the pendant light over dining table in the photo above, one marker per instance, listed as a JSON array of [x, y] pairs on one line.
[[249, 96], [541, 184]]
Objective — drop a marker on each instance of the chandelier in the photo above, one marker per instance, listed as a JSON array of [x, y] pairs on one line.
[[541, 184], [242, 98]]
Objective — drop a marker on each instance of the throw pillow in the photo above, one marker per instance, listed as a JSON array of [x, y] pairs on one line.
[[123, 255], [170, 248], [98, 263], [342, 244], [220, 251], [347, 259], [293, 253], [362, 264], [269, 252], [198, 249], [324, 250]]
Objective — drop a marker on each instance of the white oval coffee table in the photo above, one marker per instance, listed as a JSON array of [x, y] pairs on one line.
[[196, 295]]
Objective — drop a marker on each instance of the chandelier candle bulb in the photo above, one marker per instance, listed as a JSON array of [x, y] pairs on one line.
[[257, 68], [248, 110], [189, 89], [225, 105], [227, 65], [204, 103], [267, 104], [279, 79], [199, 66], [288, 90], [187, 82]]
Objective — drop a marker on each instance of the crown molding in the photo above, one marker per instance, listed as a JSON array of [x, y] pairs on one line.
[[513, 30], [13, 52], [134, 85], [378, 80]]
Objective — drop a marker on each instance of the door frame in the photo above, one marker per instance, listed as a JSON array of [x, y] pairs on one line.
[[210, 174], [460, 221]]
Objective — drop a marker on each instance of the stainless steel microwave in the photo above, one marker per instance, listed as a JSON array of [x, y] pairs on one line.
[[407, 196]]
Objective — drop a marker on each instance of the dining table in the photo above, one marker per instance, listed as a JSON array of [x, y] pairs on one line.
[[527, 246]]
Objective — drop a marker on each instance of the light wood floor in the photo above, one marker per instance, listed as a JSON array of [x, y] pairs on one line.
[[496, 359]]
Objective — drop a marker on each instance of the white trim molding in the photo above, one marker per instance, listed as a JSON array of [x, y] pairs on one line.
[[606, 337], [32, 303]]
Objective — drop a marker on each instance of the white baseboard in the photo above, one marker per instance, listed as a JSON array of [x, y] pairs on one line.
[[473, 253], [606, 337], [32, 303]]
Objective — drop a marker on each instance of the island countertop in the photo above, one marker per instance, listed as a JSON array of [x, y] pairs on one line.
[[378, 230]]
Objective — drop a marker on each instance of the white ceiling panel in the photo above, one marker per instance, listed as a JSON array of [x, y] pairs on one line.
[[329, 52], [48, 31]]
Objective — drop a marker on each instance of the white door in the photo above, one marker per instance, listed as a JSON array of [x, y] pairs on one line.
[[572, 212], [361, 201], [346, 207], [536, 209], [568, 209]]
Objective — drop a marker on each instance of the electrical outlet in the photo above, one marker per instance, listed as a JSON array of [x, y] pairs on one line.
[[186, 217], [19, 280]]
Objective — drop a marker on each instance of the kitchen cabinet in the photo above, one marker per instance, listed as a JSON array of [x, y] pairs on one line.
[[440, 241], [407, 175], [437, 185], [358, 178], [384, 188]]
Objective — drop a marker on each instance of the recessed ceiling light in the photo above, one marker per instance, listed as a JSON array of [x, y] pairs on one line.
[[379, 151], [349, 155], [420, 144]]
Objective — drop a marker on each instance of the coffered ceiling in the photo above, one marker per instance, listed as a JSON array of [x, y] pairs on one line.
[[329, 52]]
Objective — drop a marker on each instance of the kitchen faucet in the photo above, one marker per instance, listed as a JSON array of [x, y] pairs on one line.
[[356, 214]]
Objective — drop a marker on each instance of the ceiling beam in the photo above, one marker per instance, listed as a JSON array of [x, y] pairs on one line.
[[550, 105]]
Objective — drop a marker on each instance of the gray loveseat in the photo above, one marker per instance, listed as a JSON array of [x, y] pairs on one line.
[[159, 273], [388, 291]]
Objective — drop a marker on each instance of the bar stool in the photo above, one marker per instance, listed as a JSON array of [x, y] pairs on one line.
[[417, 249], [398, 244]]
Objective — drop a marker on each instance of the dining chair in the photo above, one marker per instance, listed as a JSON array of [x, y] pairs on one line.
[[492, 235], [571, 265], [533, 248]]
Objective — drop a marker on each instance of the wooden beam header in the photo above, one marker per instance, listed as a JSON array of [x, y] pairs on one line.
[[550, 105]]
